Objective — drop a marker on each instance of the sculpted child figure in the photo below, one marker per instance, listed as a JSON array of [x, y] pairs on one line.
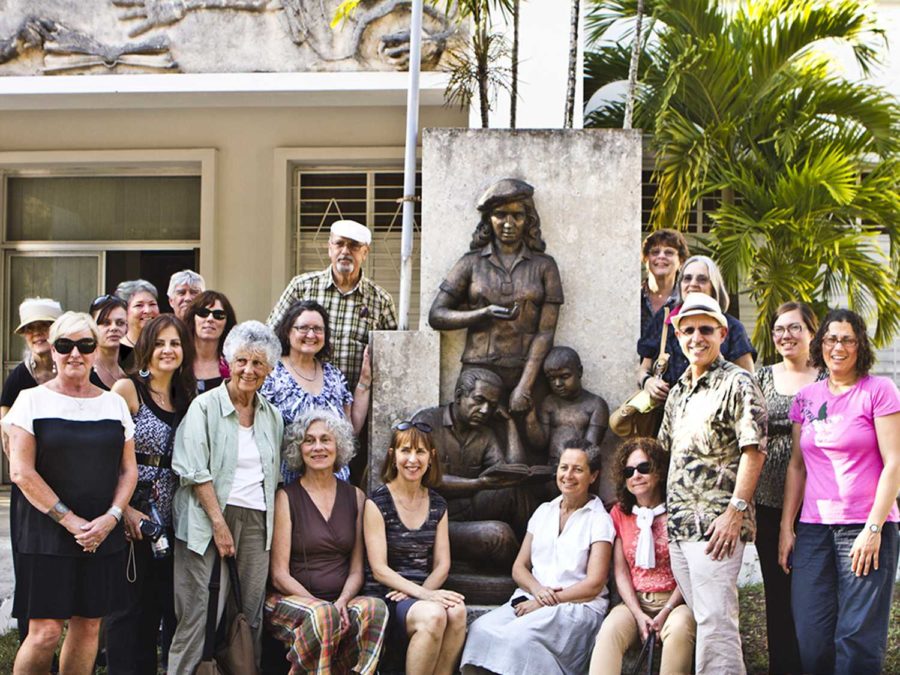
[[569, 411]]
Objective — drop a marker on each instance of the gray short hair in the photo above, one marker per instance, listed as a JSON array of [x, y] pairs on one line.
[[73, 322], [719, 292], [252, 336], [185, 277], [337, 424], [127, 289]]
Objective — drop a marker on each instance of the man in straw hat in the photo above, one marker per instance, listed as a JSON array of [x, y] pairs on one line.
[[714, 426]]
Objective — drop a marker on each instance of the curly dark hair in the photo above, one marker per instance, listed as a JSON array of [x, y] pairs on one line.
[[284, 327], [865, 355], [484, 231], [666, 237], [208, 299], [184, 385], [659, 464]]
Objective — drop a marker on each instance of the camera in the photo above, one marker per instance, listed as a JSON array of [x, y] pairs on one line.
[[151, 528]]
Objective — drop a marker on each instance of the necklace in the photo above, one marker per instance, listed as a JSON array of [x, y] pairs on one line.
[[160, 397], [110, 374], [301, 375]]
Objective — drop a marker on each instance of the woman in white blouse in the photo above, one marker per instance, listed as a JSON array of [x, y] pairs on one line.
[[548, 626]]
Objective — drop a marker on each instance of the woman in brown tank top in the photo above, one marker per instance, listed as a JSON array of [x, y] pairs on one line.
[[317, 556]]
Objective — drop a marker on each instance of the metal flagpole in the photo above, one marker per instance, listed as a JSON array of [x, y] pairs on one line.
[[409, 163]]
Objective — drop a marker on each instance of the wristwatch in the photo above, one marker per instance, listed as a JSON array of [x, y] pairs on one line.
[[738, 504], [873, 528]]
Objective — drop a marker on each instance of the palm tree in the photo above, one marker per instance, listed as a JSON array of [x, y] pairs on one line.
[[740, 105]]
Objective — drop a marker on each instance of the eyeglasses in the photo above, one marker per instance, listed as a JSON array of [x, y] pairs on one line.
[[65, 345], [346, 243], [668, 252], [643, 468], [101, 300], [306, 330], [217, 314], [831, 341], [793, 329], [405, 425], [705, 331], [699, 278]]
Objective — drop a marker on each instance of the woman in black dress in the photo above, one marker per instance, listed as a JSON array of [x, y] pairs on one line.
[[110, 313], [72, 455], [408, 547]]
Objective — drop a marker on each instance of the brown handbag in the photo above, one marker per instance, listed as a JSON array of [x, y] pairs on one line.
[[236, 656], [640, 415]]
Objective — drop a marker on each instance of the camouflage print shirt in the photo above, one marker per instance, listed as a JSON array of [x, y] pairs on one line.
[[705, 426]]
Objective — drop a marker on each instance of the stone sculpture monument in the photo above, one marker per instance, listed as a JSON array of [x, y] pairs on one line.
[[588, 197], [488, 509]]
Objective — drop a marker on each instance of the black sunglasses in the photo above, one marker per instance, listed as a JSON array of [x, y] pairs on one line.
[[102, 300], [642, 468], [65, 345], [405, 425], [217, 314], [705, 331]]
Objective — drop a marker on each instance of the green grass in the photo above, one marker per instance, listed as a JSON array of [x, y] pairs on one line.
[[753, 635]]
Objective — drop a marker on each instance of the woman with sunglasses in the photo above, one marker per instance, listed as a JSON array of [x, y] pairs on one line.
[[408, 546], [651, 602], [792, 331], [845, 469], [109, 311], [72, 455], [317, 562], [158, 396], [304, 378], [699, 275], [561, 570], [210, 319]]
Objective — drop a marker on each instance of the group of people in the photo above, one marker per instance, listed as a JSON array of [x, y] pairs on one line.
[[145, 447]]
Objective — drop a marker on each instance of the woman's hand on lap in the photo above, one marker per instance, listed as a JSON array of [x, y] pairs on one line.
[[526, 607], [341, 606], [396, 596], [447, 598], [547, 596]]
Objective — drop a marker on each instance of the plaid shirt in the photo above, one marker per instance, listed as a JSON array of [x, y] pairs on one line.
[[705, 428], [366, 308]]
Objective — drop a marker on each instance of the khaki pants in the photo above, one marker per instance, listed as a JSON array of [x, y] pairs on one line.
[[619, 633], [192, 572], [710, 590]]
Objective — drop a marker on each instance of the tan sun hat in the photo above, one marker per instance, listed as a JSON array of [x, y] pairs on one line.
[[700, 303], [38, 309]]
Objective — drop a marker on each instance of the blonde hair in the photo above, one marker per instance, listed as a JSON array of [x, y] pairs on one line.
[[73, 322]]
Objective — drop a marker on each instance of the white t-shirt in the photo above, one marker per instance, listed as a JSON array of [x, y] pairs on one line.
[[559, 559], [247, 488]]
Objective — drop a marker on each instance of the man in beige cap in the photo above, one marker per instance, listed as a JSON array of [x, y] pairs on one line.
[[715, 429], [355, 304]]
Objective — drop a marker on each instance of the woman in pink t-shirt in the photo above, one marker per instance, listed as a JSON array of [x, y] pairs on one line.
[[845, 467], [651, 602]]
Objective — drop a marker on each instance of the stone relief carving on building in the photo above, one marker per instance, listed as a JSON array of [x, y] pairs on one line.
[[50, 36], [68, 50]]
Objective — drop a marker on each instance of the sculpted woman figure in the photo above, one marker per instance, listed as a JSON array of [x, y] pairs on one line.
[[505, 292]]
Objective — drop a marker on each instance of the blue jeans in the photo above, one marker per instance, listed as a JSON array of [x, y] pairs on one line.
[[841, 619]]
